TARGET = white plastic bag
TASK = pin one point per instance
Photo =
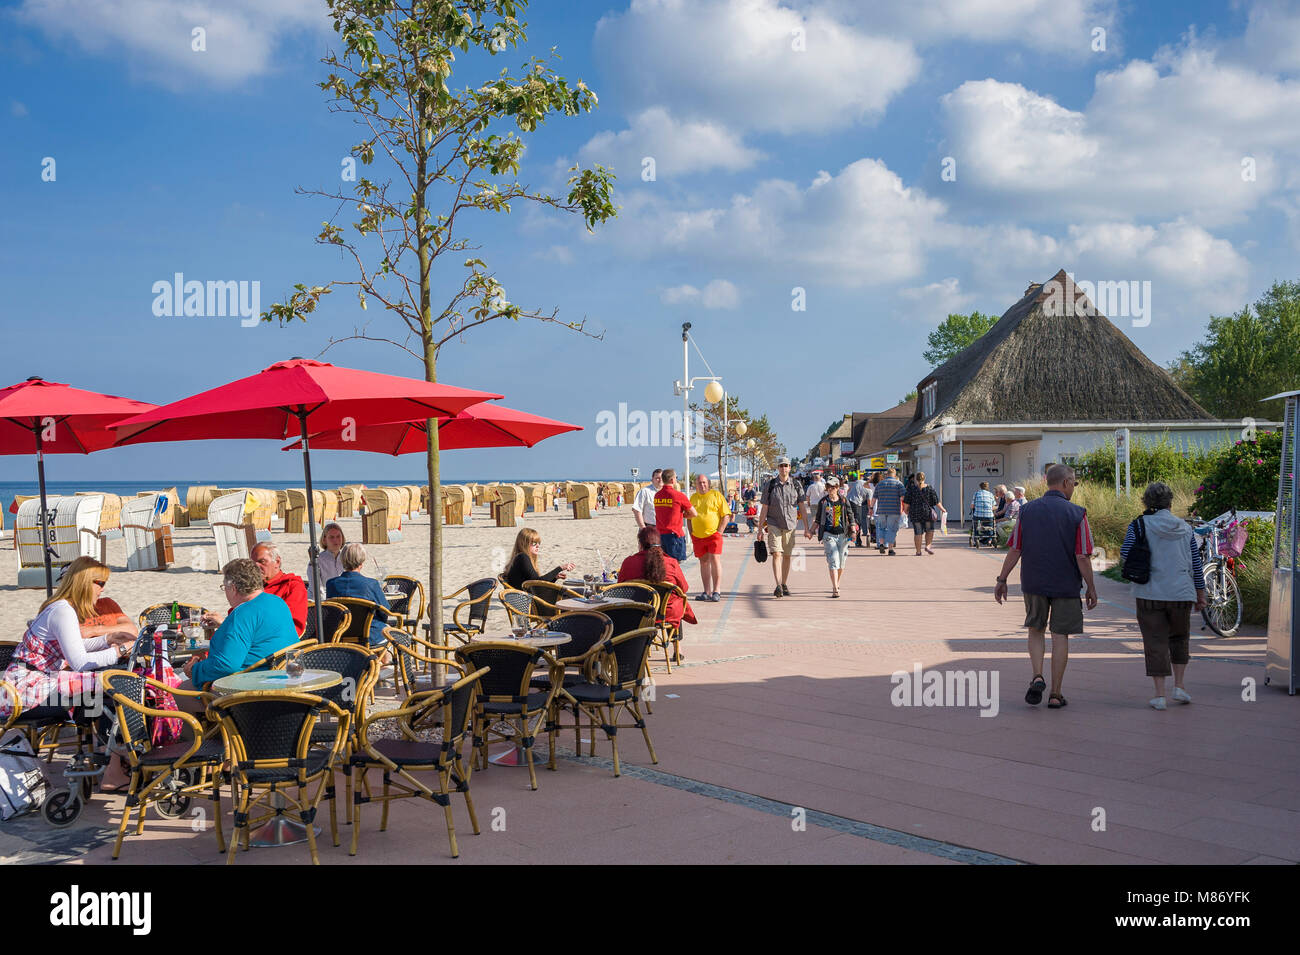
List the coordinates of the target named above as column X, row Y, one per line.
column 22, row 776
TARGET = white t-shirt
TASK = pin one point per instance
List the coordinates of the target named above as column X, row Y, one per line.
column 59, row 622
column 645, row 503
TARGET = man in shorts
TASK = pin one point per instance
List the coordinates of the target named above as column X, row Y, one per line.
column 781, row 511
column 887, row 508
column 711, row 511
column 1054, row 538
column 671, row 505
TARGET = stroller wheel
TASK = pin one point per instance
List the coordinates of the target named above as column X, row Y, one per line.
column 174, row 805
column 61, row 808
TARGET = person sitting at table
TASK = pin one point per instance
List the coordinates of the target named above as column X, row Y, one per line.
column 288, row 587
column 353, row 583
column 523, row 561
column 329, row 562
column 50, row 666
column 650, row 563
column 258, row 625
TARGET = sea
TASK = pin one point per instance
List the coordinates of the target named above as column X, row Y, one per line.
column 8, row 489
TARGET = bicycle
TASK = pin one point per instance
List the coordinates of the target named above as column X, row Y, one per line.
column 1221, row 545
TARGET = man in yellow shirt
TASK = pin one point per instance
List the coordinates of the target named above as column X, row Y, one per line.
column 706, row 533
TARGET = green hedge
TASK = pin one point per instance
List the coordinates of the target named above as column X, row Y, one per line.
column 1149, row 460
column 1241, row 475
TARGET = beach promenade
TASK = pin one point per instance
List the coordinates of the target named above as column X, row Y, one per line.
column 779, row 742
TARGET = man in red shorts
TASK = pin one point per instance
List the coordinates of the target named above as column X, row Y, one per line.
column 711, row 512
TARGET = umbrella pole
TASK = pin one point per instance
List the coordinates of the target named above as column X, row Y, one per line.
column 45, row 528
column 312, row 548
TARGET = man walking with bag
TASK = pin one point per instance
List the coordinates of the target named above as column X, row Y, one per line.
column 782, row 509
column 1054, row 538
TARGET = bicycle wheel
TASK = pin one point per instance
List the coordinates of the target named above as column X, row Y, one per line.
column 1223, row 601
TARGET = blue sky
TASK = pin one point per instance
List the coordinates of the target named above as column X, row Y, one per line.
column 796, row 145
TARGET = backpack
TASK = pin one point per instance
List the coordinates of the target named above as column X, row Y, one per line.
column 1137, row 566
column 23, row 785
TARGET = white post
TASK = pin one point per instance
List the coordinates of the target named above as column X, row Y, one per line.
column 686, row 401
column 1128, row 456
column 726, row 445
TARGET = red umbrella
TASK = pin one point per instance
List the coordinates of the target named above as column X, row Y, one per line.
column 301, row 396
column 53, row 418
column 484, row 425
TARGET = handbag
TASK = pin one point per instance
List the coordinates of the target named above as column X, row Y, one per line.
column 1137, row 566
column 760, row 551
column 23, row 785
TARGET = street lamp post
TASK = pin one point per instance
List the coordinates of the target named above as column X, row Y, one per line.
column 684, row 387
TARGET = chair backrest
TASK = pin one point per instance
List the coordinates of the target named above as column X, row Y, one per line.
column 162, row 613
column 358, row 626
column 411, row 602
column 450, row 709
column 630, row 616
column 277, row 659
column 544, row 598
column 334, row 615
column 585, row 628
column 122, row 684
column 639, row 591
column 510, row 666
column 478, row 589
column 268, row 731
column 358, row 667
column 625, row 658
column 518, row 603
column 665, row 589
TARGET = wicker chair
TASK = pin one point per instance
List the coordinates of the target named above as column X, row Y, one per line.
column 362, row 615
column 451, row 710
column 670, row 634
column 416, row 661
column 359, row 669
column 631, row 616
column 165, row 777
column 548, row 595
column 585, row 628
column 268, row 738
column 408, row 606
column 522, row 608
column 470, row 616
column 638, row 591
column 612, row 687
column 335, row 616
column 162, row 613
column 505, row 695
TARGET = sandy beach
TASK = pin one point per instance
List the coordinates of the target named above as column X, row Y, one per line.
column 478, row 549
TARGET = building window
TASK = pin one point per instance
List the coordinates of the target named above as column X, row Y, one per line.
column 927, row 398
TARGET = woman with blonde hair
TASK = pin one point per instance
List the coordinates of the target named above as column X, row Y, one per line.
column 523, row 561
column 54, row 641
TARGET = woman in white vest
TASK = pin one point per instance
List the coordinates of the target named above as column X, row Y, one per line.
column 1176, row 586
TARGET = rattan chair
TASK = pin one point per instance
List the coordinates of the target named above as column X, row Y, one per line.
column 166, row 777
column 505, row 695
column 548, row 595
column 362, row 615
column 631, row 616
column 669, row 634
column 585, row 628
column 408, row 607
column 637, row 591
column 522, row 608
column 335, row 616
column 416, row 661
column 162, row 613
column 612, row 687
column 449, row 710
column 359, row 668
column 469, row 618
column 268, row 739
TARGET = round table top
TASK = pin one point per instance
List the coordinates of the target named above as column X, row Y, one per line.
column 552, row 638
column 582, row 603
column 276, row 681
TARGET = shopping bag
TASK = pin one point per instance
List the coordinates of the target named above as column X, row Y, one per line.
column 22, row 777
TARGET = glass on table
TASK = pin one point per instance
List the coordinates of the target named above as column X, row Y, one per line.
column 293, row 664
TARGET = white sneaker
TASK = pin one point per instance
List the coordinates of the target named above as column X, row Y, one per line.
column 1158, row 703
column 1181, row 695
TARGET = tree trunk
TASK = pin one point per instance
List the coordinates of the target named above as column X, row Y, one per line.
column 430, row 374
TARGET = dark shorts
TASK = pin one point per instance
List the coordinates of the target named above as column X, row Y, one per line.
column 674, row 545
column 1063, row 615
column 1166, row 627
column 922, row 527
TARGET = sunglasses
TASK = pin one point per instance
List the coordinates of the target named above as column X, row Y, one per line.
column 101, row 583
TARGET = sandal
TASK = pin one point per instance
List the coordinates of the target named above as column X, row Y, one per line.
column 1055, row 701
column 1034, row 695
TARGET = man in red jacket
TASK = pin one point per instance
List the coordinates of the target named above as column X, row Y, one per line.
column 288, row 587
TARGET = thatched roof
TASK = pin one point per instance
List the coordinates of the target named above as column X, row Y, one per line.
column 871, row 430
column 1052, row 357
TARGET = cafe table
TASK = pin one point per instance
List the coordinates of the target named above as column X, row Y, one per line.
column 280, row 830
column 514, row 755
column 590, row 603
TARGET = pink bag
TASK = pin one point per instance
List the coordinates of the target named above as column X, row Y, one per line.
column 1232, row 540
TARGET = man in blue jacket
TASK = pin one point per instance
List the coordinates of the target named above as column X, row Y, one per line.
column 257, row 626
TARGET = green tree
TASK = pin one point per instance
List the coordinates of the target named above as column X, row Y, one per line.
column 955, row 333
column 443, row 156
column 910, row 396
column 711, row 432
column 1246, row 357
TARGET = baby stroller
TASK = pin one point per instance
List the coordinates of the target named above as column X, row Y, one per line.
column 983, row 532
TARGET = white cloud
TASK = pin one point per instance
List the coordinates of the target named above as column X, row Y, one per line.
column 938, row 298
column 1058, row 26
column 155, row 36
column 717, row 294
column 559, row 254
column 677, row 147
column 1163, row 138
column 736, row 62
column 17, row 109
column 1272, row 37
